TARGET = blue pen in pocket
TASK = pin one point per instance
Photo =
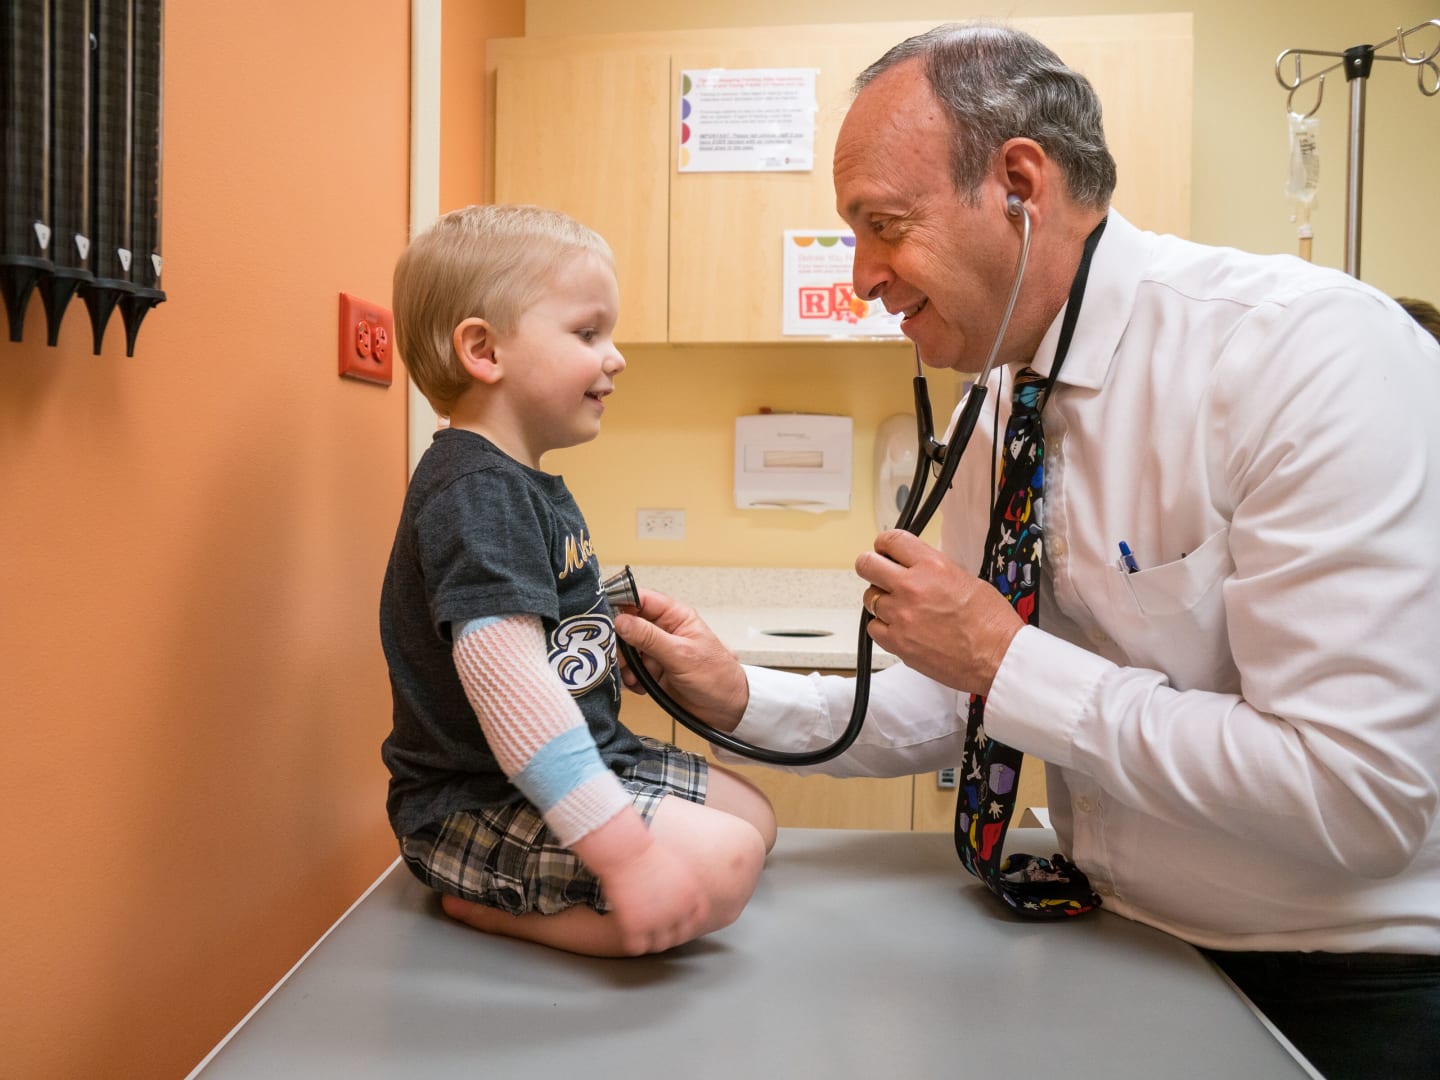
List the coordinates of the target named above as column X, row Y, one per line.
column 1127, row 560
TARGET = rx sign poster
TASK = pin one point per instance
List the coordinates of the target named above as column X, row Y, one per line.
column 820, row 298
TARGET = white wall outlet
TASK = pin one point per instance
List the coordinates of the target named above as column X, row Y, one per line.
column 660, row 524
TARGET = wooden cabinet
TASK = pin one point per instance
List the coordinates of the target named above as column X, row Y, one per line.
column 640, row 714
column 727, row 229
column 825, row 802
column 586, row 132
column 588, row 125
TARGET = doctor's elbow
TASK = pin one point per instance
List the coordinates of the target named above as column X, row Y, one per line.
column 1378, row 839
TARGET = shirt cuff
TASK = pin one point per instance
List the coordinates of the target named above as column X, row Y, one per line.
column 1044, row 689
column 785, row 711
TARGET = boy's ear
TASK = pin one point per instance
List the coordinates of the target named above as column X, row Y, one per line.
column 474, row 341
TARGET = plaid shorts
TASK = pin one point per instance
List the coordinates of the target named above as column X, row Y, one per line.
column 507, row 857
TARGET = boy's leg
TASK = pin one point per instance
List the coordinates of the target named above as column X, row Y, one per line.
column 732, row 793
column 578, row 929
column 725, row 851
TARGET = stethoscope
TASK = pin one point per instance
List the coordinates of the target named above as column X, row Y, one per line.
column 620, row 589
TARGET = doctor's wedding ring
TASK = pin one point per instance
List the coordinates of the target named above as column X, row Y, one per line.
column 872, row 598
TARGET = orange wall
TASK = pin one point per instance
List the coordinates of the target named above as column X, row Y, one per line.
column 191, row 547
column 465, row 95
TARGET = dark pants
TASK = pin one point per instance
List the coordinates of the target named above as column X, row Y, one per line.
column 1366, row 1016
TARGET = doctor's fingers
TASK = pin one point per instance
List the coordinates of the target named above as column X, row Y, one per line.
column 956, row 634
column 687, row 649
column 664, row 610
column 904, row 548
column 932, row 592
column 648, row 639
column 878, row 569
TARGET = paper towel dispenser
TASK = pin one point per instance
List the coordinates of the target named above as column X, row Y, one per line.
column 793, row 461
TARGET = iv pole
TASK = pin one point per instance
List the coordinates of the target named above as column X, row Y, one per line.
column 1357, row 62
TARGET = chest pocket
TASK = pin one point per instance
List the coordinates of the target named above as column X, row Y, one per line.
column 1171, row 617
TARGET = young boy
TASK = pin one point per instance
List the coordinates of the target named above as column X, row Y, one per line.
column 515, row 791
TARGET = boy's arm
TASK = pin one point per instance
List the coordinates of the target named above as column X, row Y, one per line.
column 541, row 741
column 534, row 727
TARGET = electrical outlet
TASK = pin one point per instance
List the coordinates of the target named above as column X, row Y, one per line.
column 660, row 524
column 366, row 333
column 945, row 780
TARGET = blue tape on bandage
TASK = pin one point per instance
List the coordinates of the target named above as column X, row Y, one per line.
column 476, row 624
column 559, row 767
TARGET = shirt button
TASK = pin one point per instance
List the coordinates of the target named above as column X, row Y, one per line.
column 1084, row 805
column 1104, row 890
column 1057, row 546
column 1099, row 637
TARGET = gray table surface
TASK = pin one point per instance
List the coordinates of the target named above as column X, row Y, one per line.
column 862, row 954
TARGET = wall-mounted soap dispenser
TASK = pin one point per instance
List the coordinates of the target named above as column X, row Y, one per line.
column 895, row 450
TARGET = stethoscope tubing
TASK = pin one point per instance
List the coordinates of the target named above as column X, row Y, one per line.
column 914, row 516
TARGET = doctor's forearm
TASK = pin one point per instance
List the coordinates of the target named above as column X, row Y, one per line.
column 911, row 724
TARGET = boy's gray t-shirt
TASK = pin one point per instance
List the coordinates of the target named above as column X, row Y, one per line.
column 480, row 534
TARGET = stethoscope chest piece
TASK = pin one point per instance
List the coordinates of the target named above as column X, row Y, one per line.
column 620, row 590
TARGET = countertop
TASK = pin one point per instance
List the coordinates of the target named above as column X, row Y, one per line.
column 780, row 618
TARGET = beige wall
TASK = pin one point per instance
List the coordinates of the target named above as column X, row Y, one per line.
column 668, row 436
column 193, row 540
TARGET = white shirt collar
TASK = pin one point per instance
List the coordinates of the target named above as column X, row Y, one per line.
column 1115, row 273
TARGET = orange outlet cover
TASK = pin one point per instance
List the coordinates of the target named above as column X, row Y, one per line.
column 366, row 334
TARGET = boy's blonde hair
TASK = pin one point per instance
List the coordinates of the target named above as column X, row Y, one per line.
column 487, row 262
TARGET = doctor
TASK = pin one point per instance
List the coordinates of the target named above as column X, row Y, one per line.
column 1242, row 728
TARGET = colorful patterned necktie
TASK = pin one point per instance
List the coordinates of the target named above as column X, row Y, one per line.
column 1014, row 547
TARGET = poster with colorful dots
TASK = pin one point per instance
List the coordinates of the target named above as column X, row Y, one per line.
column 820, row 298
column 747, row 120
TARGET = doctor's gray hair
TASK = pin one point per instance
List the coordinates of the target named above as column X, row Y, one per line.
column 996, row 83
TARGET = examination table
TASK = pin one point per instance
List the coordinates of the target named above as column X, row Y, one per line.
column 862, row 954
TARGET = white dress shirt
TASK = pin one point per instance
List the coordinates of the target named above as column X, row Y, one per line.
column 1243, row 737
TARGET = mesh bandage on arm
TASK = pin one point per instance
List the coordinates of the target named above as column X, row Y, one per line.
column 533, row 725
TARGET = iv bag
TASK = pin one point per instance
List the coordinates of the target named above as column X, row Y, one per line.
column 1304, row 179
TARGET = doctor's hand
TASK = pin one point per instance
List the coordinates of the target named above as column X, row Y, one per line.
column 686, row 658
column 939, row 618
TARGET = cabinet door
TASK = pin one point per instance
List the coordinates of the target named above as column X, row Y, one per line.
column 640, row 714
column 726, row 229
column 822, row 802
column 588, row 126
column 586, row 133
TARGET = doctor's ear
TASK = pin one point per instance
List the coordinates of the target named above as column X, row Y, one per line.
column 474, row 341
column 1021, row 167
